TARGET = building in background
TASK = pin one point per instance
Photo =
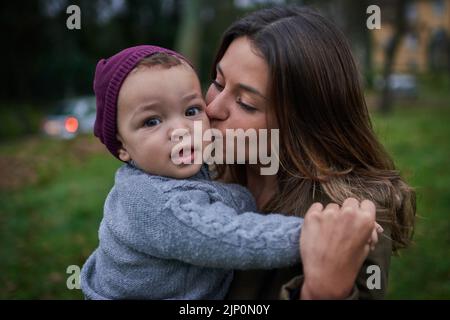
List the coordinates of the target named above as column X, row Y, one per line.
column 425, row 47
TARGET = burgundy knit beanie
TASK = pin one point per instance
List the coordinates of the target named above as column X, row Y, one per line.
column 109, row 76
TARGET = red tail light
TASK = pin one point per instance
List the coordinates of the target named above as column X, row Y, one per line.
column 71, row 124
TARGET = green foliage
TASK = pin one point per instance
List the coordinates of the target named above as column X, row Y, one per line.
column 18, row 120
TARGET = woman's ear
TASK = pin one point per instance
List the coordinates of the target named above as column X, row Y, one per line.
column 123, row 153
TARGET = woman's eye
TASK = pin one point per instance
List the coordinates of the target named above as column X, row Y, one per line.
column 152, row 122
column 193, row 111
column 245, row 106
column 218, row 85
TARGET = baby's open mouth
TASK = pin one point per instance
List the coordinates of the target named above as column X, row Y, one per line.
column 186, row 157
column 181, row 151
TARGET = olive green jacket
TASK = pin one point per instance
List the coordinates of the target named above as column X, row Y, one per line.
column 285, row 283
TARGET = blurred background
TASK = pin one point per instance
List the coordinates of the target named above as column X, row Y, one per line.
column 54, row 175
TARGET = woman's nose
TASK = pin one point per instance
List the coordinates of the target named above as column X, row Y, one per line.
column 218, row 109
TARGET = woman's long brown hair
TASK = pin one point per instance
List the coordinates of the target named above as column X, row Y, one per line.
column 328, row 149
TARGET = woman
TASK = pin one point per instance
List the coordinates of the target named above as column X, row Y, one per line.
column 290, row 68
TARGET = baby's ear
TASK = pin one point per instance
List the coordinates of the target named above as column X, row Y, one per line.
column 123, row 153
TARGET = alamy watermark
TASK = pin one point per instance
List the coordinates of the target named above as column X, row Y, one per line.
column 73, row 280
column 374, row 20
column 73, row 22
column 250, row 146
column 373, row 282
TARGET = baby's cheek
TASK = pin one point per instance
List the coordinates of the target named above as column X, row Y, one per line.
column 206, row 127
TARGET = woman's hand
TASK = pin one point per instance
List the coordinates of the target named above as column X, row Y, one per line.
column 334, row 243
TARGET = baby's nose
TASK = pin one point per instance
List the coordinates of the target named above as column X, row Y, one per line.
column 179, row 129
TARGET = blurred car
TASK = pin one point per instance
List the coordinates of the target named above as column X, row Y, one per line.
column 403, row 85
column 72, row 117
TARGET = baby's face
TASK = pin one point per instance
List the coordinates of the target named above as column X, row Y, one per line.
column 152, row 103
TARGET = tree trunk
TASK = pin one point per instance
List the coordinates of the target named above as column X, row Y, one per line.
column 189, row 32
column 390, row 53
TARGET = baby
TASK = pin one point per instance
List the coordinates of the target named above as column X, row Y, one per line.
column 168, row 231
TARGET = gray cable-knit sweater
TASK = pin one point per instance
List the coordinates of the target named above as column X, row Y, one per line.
column 164, row 238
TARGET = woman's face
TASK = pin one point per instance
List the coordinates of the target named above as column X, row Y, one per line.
column 239, row 98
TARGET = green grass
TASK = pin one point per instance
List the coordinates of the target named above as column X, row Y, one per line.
column 52, row 223
column 52, row 194
column 418, row 140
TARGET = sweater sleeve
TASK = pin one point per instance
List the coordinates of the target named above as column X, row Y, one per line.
column 193, row 229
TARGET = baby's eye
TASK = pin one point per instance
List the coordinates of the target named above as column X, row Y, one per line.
column 152, row 122
column 193, row 111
